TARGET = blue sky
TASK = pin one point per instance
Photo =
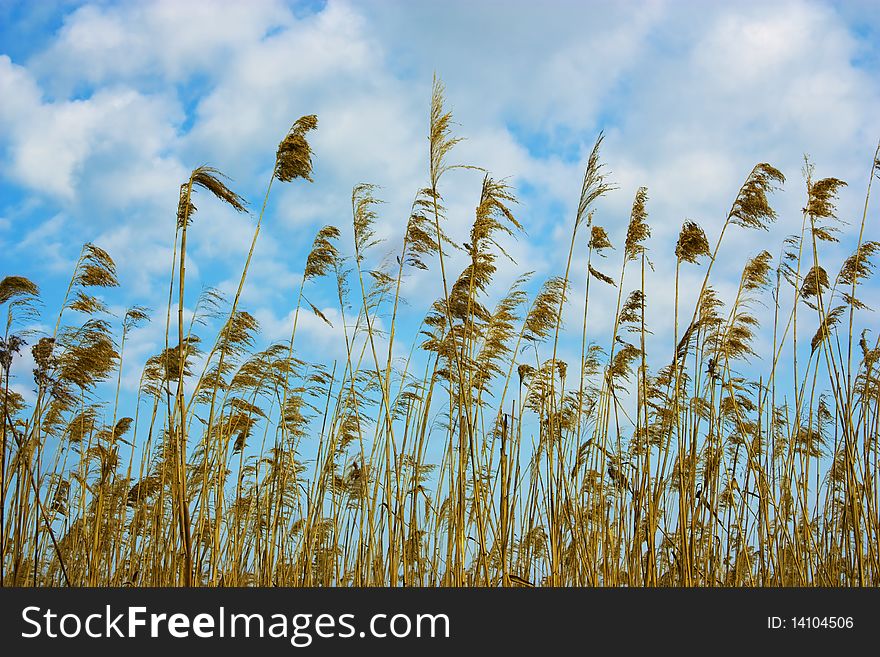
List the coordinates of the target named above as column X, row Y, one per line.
column 105, row 107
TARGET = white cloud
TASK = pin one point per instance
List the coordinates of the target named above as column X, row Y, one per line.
column 20, row 92
column 167, row 40
column 112, row 141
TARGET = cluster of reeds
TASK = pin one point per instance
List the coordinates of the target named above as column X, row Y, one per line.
column 480, row 457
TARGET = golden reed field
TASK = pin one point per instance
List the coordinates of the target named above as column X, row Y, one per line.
column 480, row 457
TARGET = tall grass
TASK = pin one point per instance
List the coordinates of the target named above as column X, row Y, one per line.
column 478, row 457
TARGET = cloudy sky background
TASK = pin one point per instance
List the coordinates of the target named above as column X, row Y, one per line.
column 106, row 107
